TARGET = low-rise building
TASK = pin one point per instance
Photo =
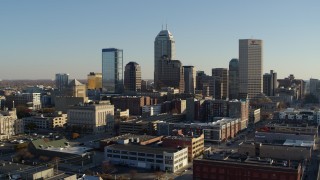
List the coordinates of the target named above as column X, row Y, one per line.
column 133, row 103
column 31, row 100
column 275, row 151
column 292, row 128
column 218, row 131
column 133, row 138
column 92, row 118
column 195, row 144
column 8, row 120
column 148, row 157
column 238, row 166
column 46, row 122
column 61, row 149
column 151, row 110
column 147, row 125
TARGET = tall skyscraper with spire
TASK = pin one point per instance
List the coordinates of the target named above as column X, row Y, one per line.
column 250, row 67
column 164, row 48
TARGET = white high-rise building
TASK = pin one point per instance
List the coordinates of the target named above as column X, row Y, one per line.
column 250, row 67
column 164, row 48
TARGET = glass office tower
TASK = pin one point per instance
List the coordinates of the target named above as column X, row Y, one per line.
column 112, row 70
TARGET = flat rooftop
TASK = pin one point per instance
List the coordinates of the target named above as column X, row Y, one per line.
column 303, row 143
column 128, row 136
column 77, row 150
column 6, row 167
column 142, row 148
column 243, row 160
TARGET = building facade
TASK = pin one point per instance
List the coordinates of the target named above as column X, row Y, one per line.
column 31, row 100
column 76, row 89
column 250, row 67
column 92, row 118
column 164, row 45
column 148, row 157
column 170, row 74
column 223, row 74
column 62, row 81
column 270, row 83
column 133, row 103
column 132, row 77
column 7, row 124
column 46, row 122
column 94, row 81
column 189, row 79
column 234, row 79
column 244, row 168
column 112, row 70
column 195, row 145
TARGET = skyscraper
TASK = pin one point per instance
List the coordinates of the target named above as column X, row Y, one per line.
column 189, row 79
column 250, row 67
column 132, row 77
column 170, row 74
column 164, row 46
column 270, row 83
column 223, row 74
column 62, row 81
column 112, row 70
column 234, row 79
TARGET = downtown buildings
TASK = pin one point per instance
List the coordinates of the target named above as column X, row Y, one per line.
column 112, row 70
column 167, row 71
column 250, row 67
column 132, row 77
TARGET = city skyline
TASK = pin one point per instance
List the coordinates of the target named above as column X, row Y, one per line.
column 41, row 39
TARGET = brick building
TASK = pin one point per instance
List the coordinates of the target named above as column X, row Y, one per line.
column 195, row 144
column 133, row 103
column 246, row 168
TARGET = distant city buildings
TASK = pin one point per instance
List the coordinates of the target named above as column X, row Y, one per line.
column 94, row 81
column 189, row 79
column 270, row 83
column 132, row 77
column 250, row 67
column 91, row 118
column 112, row 71
column 133, row 103
column 75, row 89
column 291, row 89
column 223, row 74
column 208, row 86
column 62, row 81
column 234, row 79
column 45, row 122
column 164, row 46
column 170, row 74
column 8, row 122
column 31, row 101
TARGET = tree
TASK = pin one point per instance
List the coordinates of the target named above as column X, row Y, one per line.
column 107, row 167
column 159, row 174
column 31, row 126
column 133, row 173
column 43, row 158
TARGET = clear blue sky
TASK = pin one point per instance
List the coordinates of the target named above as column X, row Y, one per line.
column 40, row 38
